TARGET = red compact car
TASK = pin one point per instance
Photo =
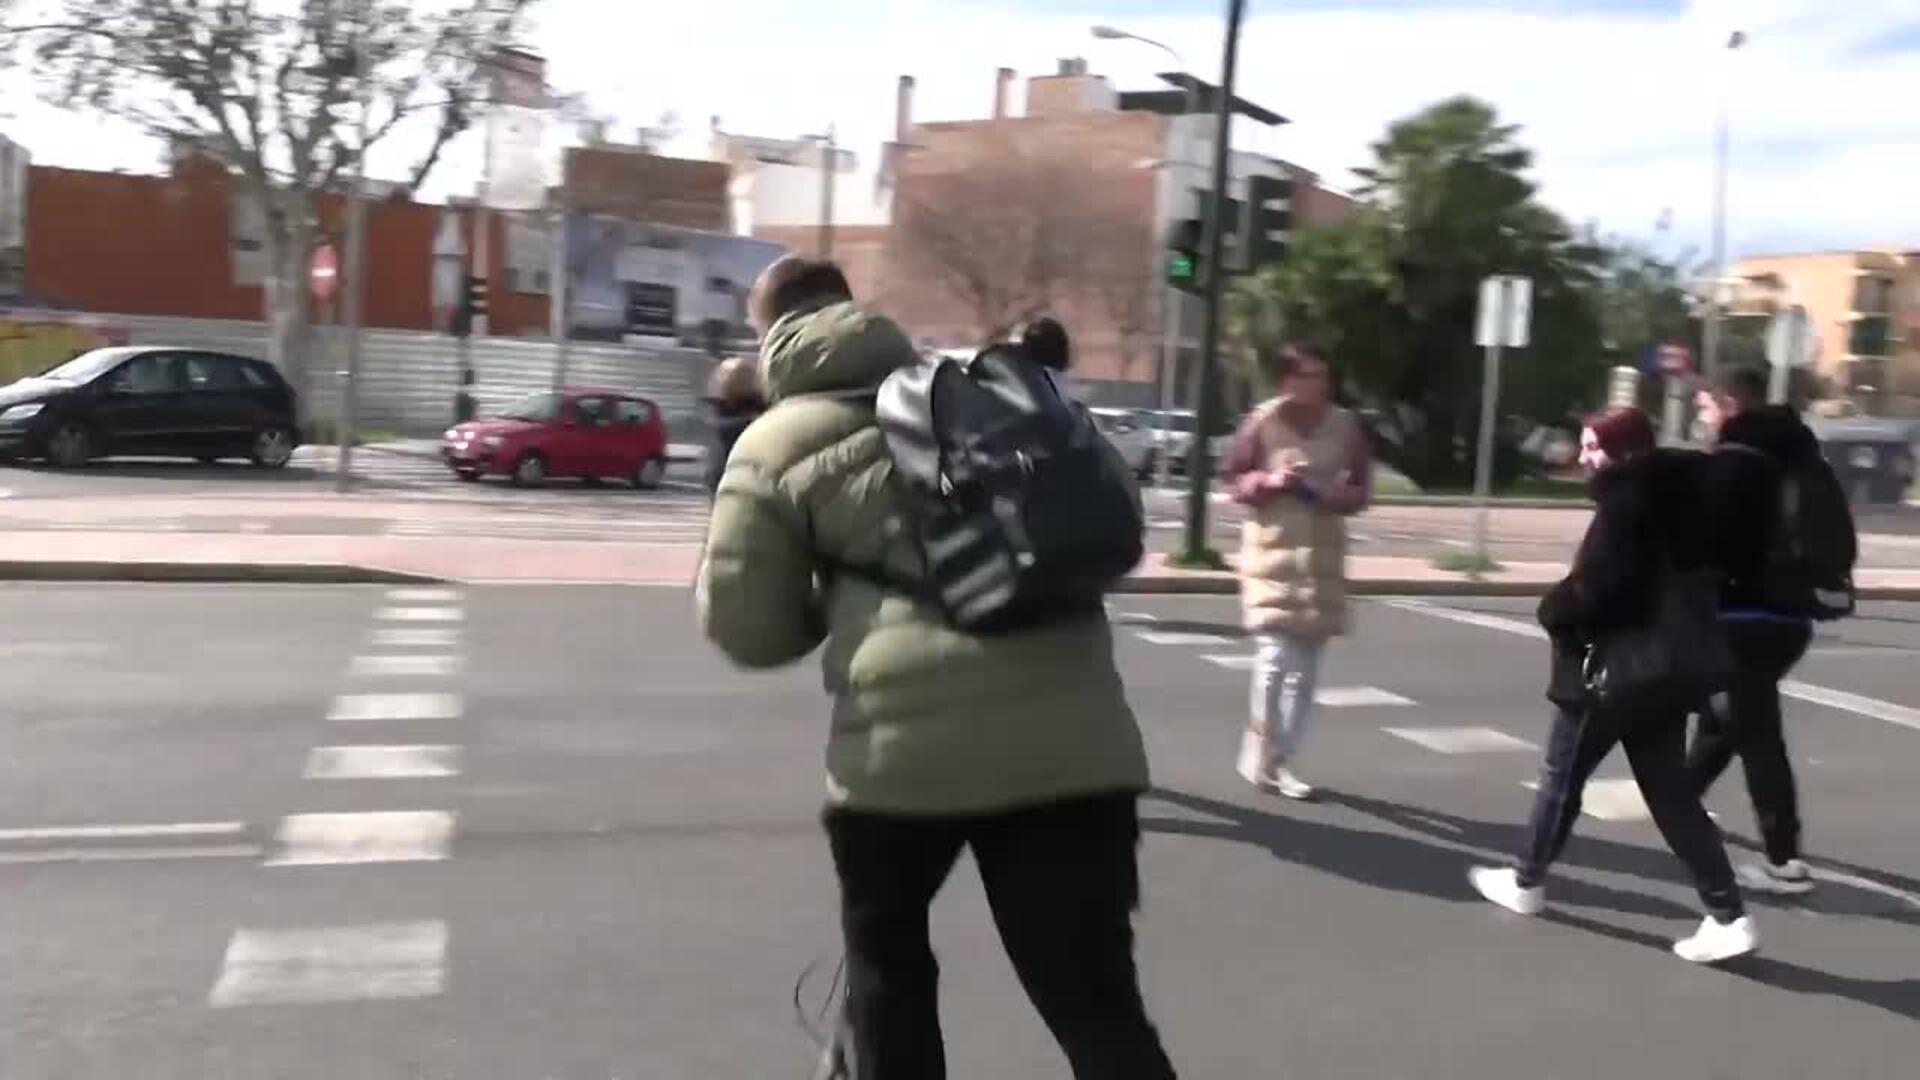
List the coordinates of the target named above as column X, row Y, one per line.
column 585, row 433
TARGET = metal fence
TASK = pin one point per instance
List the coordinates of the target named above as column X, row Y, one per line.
column 408, row 379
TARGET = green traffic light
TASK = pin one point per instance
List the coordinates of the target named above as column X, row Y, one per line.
column 1180, row 266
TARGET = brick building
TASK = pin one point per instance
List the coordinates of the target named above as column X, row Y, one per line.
column 1864, row 311
column 1133, row 160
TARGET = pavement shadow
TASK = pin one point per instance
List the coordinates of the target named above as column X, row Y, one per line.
column 1901, row 997
column 1432, row 863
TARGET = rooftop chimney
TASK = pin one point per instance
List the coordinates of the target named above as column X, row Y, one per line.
column 1073, row 66
column 903, row 111
column 1002, row 83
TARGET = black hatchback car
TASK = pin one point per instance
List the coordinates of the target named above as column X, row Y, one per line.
column 148, row 401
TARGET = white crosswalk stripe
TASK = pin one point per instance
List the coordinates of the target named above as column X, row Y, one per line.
column 332, row 964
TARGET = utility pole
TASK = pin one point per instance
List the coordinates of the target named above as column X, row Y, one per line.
column 1199, row 455
column 356, row 260
column 829, row 165
column 1722, row 139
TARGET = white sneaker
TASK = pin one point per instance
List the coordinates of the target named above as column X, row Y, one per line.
column 1253, row 766
column 1716, row 942
column 1291, row 786
column 1502, row 886
column 1790, row 878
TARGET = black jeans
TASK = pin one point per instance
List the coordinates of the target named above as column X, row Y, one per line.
column 1747, row 722
column 1656, row 748
column 1063, row 883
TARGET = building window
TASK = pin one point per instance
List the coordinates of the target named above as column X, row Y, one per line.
column 1873, row 295
column 1870, row 336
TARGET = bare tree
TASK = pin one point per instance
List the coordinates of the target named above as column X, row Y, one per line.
column 1014, row 233
column 275, row 90
column 1121, row 277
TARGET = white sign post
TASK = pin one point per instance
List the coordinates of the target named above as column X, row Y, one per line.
column 1505, row 318
column 1788, row 336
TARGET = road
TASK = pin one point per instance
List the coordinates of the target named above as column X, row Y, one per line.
column 516, row 833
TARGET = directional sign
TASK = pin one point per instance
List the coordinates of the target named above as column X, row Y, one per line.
column 1506, row 312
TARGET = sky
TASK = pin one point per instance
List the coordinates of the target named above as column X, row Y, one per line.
column 1617, row 98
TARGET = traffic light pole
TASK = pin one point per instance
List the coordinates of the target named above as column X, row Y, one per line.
column 1199, row 456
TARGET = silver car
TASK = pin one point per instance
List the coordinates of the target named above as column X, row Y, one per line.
column 1131, row 432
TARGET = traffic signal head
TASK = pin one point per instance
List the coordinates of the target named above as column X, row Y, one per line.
column 1266, row 220
column 1183, row 254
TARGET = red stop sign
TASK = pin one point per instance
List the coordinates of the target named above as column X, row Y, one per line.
column 324, row 278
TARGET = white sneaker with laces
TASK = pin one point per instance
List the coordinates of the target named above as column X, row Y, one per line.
column 1502, row 886
column 1716, row 942
column 1790, row 878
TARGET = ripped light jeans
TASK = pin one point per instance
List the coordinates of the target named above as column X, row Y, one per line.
column 1286, row 671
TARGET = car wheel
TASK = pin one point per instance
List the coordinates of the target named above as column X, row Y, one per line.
column 69, row 447
column 273, row 448
column 530, row 471
column 651, row 473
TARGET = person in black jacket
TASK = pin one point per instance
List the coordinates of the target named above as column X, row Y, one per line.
column 1648, row 509
column 1755, row 444
column 734, row 400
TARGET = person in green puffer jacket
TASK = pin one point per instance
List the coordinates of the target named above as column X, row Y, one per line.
column 1019, row 746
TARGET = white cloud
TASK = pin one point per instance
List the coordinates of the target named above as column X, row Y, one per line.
column 1619, row 108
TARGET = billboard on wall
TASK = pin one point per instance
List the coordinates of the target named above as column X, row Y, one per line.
column 626, row 279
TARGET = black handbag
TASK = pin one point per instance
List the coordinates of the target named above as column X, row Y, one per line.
column 1680, row 656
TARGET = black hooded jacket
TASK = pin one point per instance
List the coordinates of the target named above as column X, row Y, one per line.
column 1743, row 492
column 1647, row 510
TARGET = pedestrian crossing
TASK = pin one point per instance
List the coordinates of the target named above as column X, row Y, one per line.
column 390, row 689
column 1612, row 800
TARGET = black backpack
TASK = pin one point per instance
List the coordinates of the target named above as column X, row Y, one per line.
column 1811, row 553
column 1019, row 512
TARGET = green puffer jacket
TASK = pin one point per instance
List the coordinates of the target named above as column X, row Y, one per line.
column 926, row 720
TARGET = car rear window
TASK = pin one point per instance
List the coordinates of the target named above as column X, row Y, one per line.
column 635, row 413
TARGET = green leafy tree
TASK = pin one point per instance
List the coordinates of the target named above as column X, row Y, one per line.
column 1392, row 291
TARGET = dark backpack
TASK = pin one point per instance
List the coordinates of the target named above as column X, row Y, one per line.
column 1810, row 555
column 1018, row 510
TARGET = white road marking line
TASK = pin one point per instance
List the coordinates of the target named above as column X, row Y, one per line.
column 1846, row 701
column 406, row 638
column 124, row 832
column 1461, row 740
column 373, row 837
column 1609, row 800
column 1130, row 618
column 1471, row 618
column 131, row 854
column 255, row 526
column 379, row 961
column 420, row 614
column 377, row 666
column 1231, row 662
column 1354, row 697
column 1839, row 877
column 395, row 707
column 1899, row 715
column 382, row 762
column 1163, row 637
column 54, row 650
column 423, row 596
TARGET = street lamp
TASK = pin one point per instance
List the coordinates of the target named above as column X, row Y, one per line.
column 1710, row 336
column 1173, row 302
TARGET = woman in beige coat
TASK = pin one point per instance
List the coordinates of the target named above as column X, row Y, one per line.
column 1301, row 466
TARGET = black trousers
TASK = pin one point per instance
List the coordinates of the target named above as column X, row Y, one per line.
column 1656, row 749
column 1063, row 882
column 1747, row 721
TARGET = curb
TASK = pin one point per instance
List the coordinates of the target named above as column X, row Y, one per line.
column 210, row 573
column 1497, row 502
column 1227, row 585
column 677, row 453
